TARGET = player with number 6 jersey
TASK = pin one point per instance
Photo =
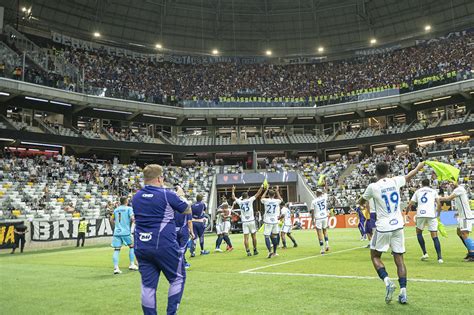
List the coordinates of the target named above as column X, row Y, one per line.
column 270, row 219
column 427, row 209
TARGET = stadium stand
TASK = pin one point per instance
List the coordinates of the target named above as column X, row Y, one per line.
column 404, row 69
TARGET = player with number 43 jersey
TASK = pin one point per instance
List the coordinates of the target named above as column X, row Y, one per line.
column 247, row 216
column 270, row 219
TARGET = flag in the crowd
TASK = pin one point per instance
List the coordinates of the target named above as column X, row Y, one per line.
column 442, row 229
column 321, row 180
column 444, row 171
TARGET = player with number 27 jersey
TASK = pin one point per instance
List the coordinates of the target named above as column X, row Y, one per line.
column 386, row 196
column 272, row 210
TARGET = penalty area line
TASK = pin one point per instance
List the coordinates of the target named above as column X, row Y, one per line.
column 300, row 259
column 353, row 277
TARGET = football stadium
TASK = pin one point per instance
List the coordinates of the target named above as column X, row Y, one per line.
column 290, row 156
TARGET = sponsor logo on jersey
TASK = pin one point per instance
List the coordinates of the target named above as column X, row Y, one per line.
column 147, row 195
column 145, row 237
column 393, row 222
column 422, row 211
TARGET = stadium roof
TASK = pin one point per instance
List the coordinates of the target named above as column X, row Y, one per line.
column 248, row 27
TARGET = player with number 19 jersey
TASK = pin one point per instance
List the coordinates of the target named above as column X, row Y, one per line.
column 386, row 195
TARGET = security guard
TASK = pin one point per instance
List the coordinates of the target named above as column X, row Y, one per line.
column 82, row 232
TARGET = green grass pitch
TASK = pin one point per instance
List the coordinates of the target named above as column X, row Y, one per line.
column 299, row 281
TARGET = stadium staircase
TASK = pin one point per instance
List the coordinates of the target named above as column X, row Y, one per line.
column 341, row 180
column 34, row 53
column 44, row 127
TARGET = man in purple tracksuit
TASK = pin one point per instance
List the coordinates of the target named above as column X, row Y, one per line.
column 156, row 248
column 198, row 209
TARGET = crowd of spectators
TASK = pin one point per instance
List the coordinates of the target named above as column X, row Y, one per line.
column 409, row 68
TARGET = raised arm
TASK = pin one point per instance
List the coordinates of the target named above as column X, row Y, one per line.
column 277, row 190
column 265, row 194
column 447, row 198
column 409, row 206
column 233, row 193
column 259, row 192
column 413, row 172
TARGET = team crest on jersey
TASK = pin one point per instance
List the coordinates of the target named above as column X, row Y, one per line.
column 422, row 211
column 393, row 222
column 145, row 237
column 147, row 195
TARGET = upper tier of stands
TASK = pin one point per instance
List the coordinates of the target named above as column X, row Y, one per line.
column 424, row 65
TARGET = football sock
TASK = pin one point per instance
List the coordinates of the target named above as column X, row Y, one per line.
column 115, row 258
column 383, row 275
column 327, row 241
column 463, row 241
column 437, row 246
column 283, row 240
column 201, row 242
column 421, row 241
column 470, row 246
column 131, row 255
column 227, row 240
column 267, row 242
column 292, row 239
column 219, row 241
column 321, row 243
column 275, row 243
column 403, row 282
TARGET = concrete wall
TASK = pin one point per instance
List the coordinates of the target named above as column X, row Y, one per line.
column 304, row 193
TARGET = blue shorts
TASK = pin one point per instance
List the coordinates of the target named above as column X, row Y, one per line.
column 118, row 241
column 370, row 225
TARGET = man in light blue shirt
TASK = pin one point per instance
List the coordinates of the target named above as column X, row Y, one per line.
column 123, row 219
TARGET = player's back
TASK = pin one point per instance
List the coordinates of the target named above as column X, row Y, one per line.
column 246, row 206
column 425, row 197
column 461, row 203
column 272, row 210
column 154, row 209
column 198, row 209
column 386, row 195
column 286, row 216
column 123, row 220
column 320, row 206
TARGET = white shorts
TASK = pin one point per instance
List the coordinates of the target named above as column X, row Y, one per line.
column 381, row 241
column 249, row 227
column 286, row 228
column 269, row 229
column 465, row 225
column 226, row 227
column 432, row 224
column 321, row 223
column 219, row 228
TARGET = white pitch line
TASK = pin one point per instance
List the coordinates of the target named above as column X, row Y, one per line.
column 308, row 257
column 354, row 277
column 300, row 259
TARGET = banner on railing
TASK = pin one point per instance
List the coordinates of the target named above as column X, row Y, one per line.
column 7, row 234
column 67, row 229
column 376, row 51
column 179, row 59
column 447, row 36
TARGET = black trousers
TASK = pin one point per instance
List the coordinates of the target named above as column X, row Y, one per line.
column 19, row 238
column 81, row 236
